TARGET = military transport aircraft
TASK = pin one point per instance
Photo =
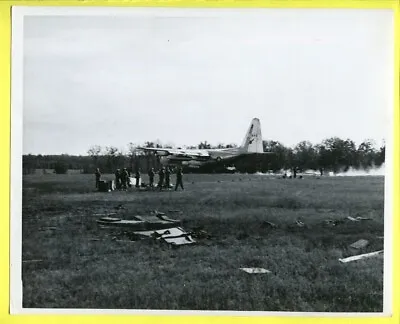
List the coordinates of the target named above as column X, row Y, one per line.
column 252, row 144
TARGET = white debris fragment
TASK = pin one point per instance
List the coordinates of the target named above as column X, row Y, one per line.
column 255, row 270
column 357, row 219
column 359, row 244
column 361, row 256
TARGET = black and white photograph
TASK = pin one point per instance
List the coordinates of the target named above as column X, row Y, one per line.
column 200, row 160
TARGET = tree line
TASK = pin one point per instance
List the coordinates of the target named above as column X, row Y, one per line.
column 333, row 154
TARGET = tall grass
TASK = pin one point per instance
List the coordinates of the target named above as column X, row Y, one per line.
column 83, row 267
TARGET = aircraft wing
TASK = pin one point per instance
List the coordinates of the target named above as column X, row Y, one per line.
column 177, row 152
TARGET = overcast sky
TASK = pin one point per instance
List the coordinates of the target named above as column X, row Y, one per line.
column 184, row 76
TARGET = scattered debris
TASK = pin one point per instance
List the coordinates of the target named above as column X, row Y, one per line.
column 357, row 219
column 359, row 244
column 110, row 219
column 157, row 213
column 123, row 223
column 181, row 240
column 175, row 231
column 157, row 225
column 105, row 214
column 255, row 270
column 140, row 222
column 171, row 220
column 174, row 236
column 361, row 256
column 157, row 222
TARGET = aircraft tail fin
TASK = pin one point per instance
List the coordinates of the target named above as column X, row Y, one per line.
column 253, row 142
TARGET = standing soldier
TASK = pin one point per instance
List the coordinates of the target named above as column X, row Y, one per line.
column 127, row 180
column 123, row 179
column 137, row 175
column 98, row 176
column 151, row 177
column 161, row 174
column 118, row 179
column 179, row 174
column 167, row 177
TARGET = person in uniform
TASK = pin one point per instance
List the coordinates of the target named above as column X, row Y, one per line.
column 167, row 177
column 118, row 179
column 124, row 179
column 179, row 175
column 161, row 175
column 98, row 176
column 137, row 175
column 151, row 177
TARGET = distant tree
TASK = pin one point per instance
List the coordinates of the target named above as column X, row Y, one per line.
column 149, row 144
column 29, row 163
column 204, row 146
column 135, row 155
column 289, row 159
column 366, row 154
column 278, row 159
column 111, row 153
column 232, row 145
column 305, row 156
column 94, row 151
column 322, row 157
column 336, row 154
column 61, row 167
column 380, row 155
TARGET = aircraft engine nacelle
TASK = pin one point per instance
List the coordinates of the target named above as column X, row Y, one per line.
column 162, row 153
column 191, row 163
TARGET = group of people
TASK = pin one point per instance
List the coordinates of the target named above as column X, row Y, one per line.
column 122, row 178
column 164, row 175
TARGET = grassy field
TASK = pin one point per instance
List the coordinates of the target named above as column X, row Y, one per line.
column 81, row 266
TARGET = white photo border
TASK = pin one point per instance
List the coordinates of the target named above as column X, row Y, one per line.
column 17, row 72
